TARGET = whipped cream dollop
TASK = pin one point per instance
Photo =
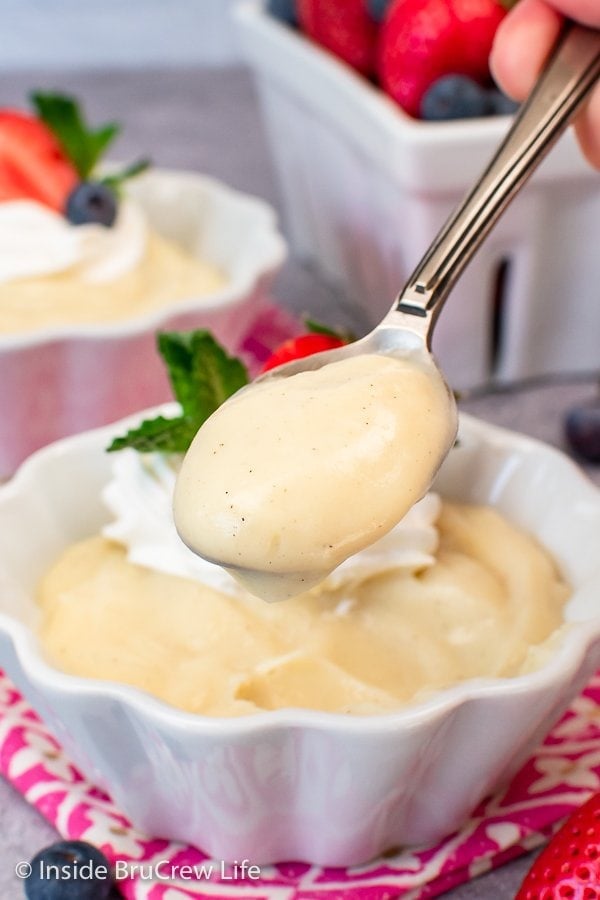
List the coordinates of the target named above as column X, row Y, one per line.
column 36, row 241
column 140, row 498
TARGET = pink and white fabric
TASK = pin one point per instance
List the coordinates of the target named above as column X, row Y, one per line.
column 561, row 776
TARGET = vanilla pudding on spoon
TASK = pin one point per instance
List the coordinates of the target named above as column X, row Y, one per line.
column 293, row 475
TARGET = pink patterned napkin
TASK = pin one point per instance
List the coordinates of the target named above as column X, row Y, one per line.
column 561, row 775
column 565, row 770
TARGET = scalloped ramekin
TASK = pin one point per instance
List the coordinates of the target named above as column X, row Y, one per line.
column 58, row 381
column 295, row 784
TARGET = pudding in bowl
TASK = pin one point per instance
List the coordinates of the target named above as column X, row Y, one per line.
column 77, row 339
column 296, row 783
column 55, row 274
column 75, row 247
column 453, row 592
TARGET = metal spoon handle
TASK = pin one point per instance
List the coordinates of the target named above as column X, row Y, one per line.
column 570, row 74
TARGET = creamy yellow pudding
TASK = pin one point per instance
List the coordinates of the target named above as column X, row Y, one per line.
column 488, row 606
column 53, row 273
column 293, row 475
column 165, row 274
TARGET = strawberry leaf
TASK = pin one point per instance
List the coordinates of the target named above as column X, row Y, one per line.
column 202, row 376
column 83, row 145
column 115, row 180
column 316, row 327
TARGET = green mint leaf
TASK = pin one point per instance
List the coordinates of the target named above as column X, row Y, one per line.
column 157, row 435
column 202, row 376
column 316, row 327
column 201, row 372
column 508, row 4
column 82, row 145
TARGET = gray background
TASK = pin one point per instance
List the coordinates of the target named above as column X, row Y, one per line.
column 129, row 33
column 208, row 120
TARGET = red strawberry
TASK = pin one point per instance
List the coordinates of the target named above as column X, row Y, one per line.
column 423, row 40
column 345, row 28
column 298, row 347
column 570, row 864
column 32, row 164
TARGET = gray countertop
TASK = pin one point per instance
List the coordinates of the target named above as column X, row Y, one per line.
column 208, row 120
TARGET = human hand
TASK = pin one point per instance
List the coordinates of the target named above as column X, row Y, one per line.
column 522, row 44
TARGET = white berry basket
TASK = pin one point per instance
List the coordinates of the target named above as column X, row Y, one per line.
column 57, row 381
column 366, row 188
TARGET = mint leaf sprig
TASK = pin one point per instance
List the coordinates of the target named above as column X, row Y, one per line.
column 202, row 376
column 83, row 145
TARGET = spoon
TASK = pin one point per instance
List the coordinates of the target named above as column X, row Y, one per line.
column 274, row 494
column 568, row 77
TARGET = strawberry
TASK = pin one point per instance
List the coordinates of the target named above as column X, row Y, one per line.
column 32, row 163
column 346, row 29
column 570, row 864
column 423, row 40
column 298, row 347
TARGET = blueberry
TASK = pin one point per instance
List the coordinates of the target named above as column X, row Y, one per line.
column 378, row 8
column 454, row 97
column 500, row 104
column 91, row 202
column 69, row 870
column 284, row 10
column 582, row 430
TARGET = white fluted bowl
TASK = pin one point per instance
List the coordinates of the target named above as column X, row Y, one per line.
column 61, row 380
column 295, row 784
